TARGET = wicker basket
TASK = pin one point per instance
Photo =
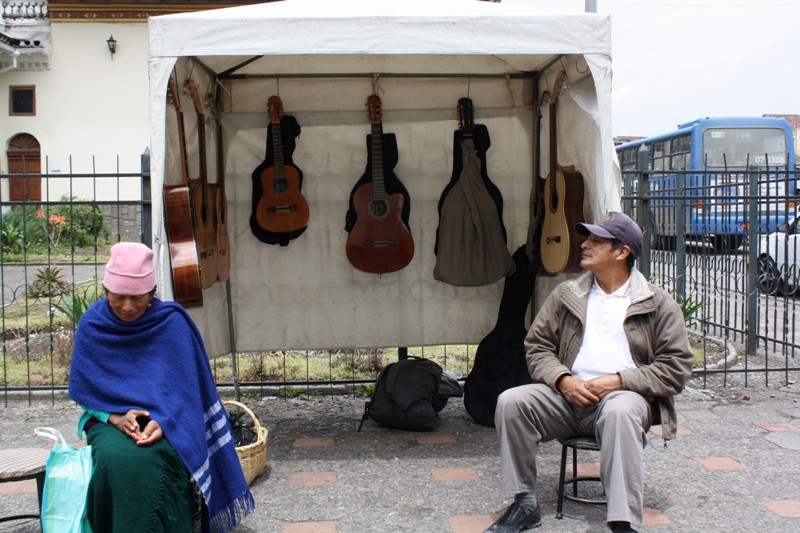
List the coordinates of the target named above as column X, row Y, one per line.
column 253, row 457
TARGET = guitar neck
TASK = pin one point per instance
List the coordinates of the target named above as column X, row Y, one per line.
column 277, row 148
column 201, row 137
column 376, row 144
column 184, row 157
column 553, row 137
column 220, row 158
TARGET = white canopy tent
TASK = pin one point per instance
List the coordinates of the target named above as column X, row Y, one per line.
column 324, row 59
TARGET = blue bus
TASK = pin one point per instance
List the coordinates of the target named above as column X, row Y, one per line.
column 718, row 157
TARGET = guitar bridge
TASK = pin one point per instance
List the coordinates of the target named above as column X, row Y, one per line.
column 380, row 243
column 283, row 208
column 553, row 240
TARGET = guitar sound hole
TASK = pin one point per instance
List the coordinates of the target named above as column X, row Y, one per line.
column 280, row 185
column 554, row 202
column 378, row 208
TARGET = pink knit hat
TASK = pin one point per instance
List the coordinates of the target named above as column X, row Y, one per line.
column 130, row 269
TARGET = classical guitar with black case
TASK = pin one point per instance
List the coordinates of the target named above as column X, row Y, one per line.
column 281, row 134
column 282, row 207
column 379, row 239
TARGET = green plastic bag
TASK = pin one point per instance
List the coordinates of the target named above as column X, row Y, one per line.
column 66, row 483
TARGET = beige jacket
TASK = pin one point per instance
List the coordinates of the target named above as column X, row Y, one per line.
column 656, row 332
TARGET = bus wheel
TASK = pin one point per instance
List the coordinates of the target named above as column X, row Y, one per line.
column 768, row 279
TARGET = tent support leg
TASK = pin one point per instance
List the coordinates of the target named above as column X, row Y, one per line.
column 232, row 341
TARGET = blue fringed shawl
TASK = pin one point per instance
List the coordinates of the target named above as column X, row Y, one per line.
column 159, row 364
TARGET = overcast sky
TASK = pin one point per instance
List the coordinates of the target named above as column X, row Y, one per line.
column 678, row 60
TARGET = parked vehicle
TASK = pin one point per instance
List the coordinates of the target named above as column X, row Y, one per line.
column 778, row 255
column 711, row 164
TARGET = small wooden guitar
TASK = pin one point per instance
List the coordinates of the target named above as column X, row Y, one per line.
column 205, row 219
column 217, row 191
column 184, row 263
column 380, row 241
column 563, row 202
column 282, row 207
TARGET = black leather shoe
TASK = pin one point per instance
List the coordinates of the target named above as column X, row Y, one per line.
column 517, row 518
column 621, row 527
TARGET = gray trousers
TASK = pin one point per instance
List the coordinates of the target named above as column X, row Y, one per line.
column 530, row 414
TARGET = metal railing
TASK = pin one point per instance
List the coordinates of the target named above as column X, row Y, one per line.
column 744, row 325
column 725, row 240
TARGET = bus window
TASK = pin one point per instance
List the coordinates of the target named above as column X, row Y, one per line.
column 681, row 146
column 660, row 155
column 739, row 146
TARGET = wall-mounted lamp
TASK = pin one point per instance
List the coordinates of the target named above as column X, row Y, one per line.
column 112, row 46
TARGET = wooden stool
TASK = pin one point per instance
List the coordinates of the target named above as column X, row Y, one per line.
column 575, row 443
column 20, row 464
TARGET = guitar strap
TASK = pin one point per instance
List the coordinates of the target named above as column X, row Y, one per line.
column 290, row 130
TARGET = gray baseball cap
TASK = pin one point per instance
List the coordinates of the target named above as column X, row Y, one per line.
column 618, row 226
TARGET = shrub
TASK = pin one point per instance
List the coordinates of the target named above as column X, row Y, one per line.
column 56, row 226
column 48, row 283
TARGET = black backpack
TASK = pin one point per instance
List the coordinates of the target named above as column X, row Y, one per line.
column 409, row 395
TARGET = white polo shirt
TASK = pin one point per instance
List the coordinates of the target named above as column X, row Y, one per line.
column 605, row 348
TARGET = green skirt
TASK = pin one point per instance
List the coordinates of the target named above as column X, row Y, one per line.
column 137, row 488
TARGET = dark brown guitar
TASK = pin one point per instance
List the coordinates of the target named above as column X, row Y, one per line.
column 220, row 201
column 380, row 241
column 563, row 205
column 205, row 219
column 282, row 207
column 185, row 267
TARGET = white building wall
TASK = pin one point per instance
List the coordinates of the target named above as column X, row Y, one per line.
column 92, row 112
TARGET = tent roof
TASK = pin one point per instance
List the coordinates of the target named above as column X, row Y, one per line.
column 379, row 36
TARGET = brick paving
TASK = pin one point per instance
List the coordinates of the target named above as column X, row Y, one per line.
column 732, row 468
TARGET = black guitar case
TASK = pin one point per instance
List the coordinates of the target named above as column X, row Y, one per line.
column 480, row 136
column 290, row 130
column 500, row 359
column 391, row 182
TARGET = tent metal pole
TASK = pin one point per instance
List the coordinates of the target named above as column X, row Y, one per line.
column 370, row 75
column 232, row 340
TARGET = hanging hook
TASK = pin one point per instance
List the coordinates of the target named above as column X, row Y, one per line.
column 376, row 84
column 510, row 90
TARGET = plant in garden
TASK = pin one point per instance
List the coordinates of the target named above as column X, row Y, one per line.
column 12, row 237
column 689, row 307
column 49, row 282
column 74, row 305
column 53, row 227
column 290, row 392
column 366, row 390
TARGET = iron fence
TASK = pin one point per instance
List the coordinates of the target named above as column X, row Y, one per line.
column 725, row 241
column 742, row 286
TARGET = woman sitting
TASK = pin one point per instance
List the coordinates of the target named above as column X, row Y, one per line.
column 151, row 411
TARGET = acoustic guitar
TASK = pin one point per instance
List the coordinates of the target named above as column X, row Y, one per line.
column 185, row 267
column 379, row 241
column 560, row 244
column 205, row 219
column 217, row 191
column 282, row 207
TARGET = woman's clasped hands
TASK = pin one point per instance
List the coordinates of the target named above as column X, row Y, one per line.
column 144, row 433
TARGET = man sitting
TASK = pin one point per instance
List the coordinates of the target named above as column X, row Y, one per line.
column 607, row 352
